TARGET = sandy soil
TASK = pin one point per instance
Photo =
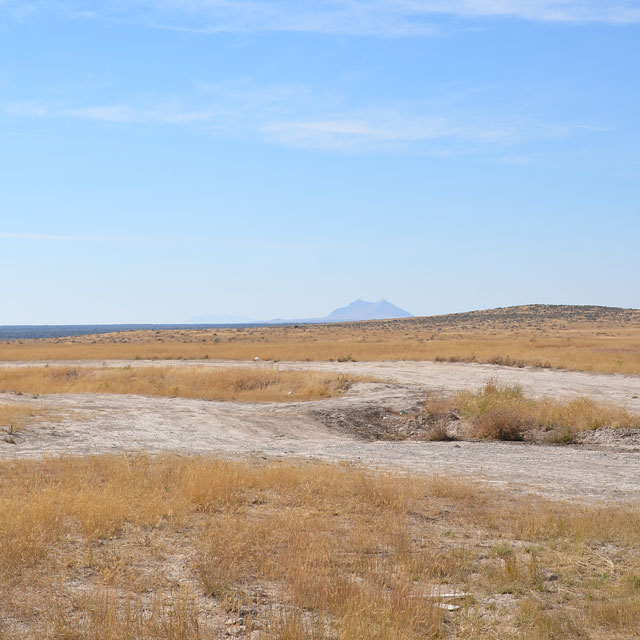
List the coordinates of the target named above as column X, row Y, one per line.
column 99, row 423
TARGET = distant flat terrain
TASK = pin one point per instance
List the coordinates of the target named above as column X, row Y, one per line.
column 49, row 331
column 581, row 338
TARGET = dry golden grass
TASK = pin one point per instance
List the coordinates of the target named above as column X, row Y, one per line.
column 578, row 338
column 185, row 549
column 502, row 412
column 248, row 384
column 14, row 417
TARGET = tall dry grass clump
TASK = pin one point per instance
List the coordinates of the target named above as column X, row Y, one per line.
column 503, row 412
column 109, row 617
column 169, row 548
column 249, row 384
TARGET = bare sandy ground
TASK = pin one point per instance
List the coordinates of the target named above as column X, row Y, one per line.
column 103, row 423
column 623, row 390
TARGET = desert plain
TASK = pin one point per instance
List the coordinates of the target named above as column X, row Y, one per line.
column 466, row 476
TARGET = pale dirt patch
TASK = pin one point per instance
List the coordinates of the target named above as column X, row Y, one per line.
column 112, row 423
column 620, row 389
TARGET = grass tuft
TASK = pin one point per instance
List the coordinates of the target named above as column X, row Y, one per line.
column 505, row 413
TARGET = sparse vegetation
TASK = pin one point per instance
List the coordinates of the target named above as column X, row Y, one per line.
column 191, row 548
column 13, row 417
column 579, row 338
column 249, row 384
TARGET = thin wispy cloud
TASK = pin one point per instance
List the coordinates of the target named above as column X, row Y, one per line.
column 295, row 117
column 462, row 133
column 390, row 131
column 49, row 237
column 368, row 17
column 537, row 10
column 115, row 113
column 32, row 236
column 387, row 18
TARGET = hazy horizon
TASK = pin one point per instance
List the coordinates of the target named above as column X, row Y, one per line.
column 230, row 320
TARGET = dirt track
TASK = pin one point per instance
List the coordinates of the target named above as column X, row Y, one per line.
column 111, row 423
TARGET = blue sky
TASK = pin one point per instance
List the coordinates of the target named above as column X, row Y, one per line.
column 164, row 159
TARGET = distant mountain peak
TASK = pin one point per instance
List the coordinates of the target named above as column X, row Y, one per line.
column 365, row 310
column 355, row 311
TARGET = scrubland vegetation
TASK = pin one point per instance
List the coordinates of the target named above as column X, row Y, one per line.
column 578, row 338
column 503, row 412
column 247, row 384
column 186, row 549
